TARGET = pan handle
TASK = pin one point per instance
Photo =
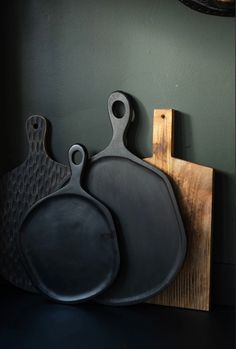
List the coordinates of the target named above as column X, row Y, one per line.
column 121, row 114
column 76, row 168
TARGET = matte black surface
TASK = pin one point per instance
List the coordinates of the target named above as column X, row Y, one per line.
column 213, row 7
column 150, row 231
column 37, row 177
column 68, row 241
column 28, row 321
column 58, row 56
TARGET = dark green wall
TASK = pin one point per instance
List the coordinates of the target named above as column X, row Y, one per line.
column 64, row 57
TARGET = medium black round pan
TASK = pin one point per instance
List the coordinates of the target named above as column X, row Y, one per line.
column 68, row 241
column 150, row 231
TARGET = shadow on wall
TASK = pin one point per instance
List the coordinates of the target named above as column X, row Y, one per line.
column 10, row 137
column 223, row 287
column 140, row 125
column 182, row 135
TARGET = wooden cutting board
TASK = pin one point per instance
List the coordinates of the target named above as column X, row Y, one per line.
column 193, row 186
column 36, row 177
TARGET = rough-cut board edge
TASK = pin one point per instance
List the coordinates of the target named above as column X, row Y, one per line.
column 193, row 185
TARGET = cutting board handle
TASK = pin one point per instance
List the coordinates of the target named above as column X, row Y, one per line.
column 121, row 114
column 163, row 136
column 36, row 128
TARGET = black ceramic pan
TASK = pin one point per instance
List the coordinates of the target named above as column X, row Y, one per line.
column 68, row 242
column 150, row 230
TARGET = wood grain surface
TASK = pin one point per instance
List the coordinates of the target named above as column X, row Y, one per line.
column 193, row 186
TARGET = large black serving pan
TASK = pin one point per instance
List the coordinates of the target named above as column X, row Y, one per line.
column 68, row 241
column 150, row 230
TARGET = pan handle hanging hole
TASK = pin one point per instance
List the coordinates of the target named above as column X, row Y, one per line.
column 118, row 109
column 35, row 126
column 77, row 157
column 163, row 116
